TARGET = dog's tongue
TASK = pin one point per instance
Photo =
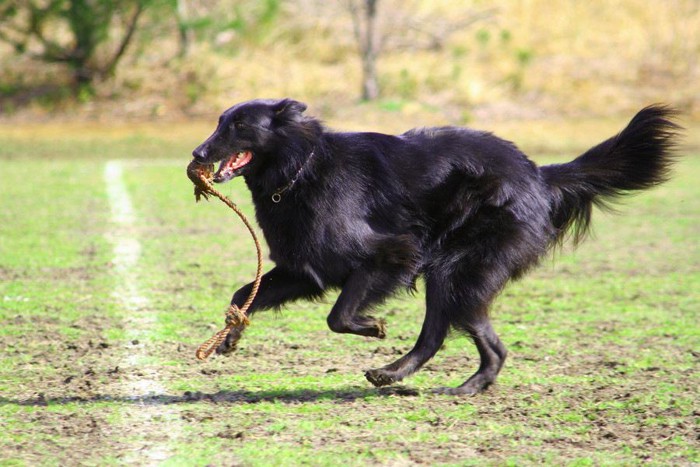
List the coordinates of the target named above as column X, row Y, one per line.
column 228, row 167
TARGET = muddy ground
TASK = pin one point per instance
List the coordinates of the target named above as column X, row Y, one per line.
column 84, row 404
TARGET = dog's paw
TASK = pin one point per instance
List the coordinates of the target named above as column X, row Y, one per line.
column 380, row 377
column 225, row 349
column 381, row 328
column 458, row 391
column 228, row 346
column 473, row 386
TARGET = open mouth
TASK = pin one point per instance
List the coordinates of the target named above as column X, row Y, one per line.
column 231, row 166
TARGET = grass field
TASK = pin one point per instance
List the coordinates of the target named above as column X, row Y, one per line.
column 110, row 278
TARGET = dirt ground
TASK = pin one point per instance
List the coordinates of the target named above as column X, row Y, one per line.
column 90, row 375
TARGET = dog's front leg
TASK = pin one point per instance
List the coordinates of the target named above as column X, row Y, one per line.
column 277, row 287
column 360, row 291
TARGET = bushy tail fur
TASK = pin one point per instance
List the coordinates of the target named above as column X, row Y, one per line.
column 637, row 158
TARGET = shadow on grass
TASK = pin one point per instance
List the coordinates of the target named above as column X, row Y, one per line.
column 223, row 397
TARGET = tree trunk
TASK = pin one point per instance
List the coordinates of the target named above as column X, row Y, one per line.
column 365, row 30
column 185, row 31
column 370, row 84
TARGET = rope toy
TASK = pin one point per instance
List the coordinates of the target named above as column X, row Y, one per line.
column 201, row 176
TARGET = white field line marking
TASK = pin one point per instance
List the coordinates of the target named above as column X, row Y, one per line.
column 126, row 250
column 125, row 247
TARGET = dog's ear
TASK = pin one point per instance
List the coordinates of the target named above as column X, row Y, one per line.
column 289, row 109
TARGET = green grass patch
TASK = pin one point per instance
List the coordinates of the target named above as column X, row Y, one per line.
column 603, row 340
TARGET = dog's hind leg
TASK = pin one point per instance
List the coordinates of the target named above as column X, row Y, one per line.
column 492, row 353
column 451, row 300
column 472, row 290
column 432, row 335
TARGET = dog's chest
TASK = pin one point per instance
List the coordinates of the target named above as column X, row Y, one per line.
column 316, row 243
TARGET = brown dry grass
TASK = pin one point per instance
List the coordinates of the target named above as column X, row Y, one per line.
column 528, row 59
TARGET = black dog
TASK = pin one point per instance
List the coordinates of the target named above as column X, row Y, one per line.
column 369, row 213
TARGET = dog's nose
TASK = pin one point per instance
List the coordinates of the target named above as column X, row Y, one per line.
column 200, row 153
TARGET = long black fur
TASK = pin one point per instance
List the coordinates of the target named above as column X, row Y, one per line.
column 369, row 213
column 638, row 158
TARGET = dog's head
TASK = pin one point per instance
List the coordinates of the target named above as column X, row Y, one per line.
column 246, row 135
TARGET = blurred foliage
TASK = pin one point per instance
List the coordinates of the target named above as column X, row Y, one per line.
column 218, row 22
column 458, row 60
column 72, row 32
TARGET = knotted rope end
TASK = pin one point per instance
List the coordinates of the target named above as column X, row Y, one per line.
column 201, row 176
column 236, row 322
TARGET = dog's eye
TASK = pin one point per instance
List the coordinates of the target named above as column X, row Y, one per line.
column 239, row 125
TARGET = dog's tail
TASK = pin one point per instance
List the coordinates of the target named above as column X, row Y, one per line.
column 637, row 158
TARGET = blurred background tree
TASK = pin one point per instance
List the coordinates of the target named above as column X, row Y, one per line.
column 216, row 22
column 404, row 28
column 72, row 32
column 364, row 22
column 450, row 60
